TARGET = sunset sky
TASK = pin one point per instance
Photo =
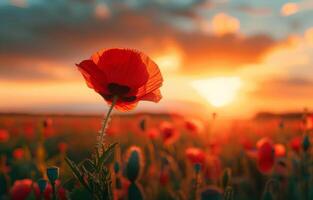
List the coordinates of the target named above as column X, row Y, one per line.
column 235, row 57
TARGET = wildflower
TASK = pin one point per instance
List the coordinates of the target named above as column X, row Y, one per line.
column 295, row 143
column 62, row 147
column 280, row 150
column 18, row 153
column 153, row 133
column 168, row 132
column 266, row 155
column 193, row 125
column 47, row 123
column 4, row 135
column 195, row 155
column 128, row 75
column 21, row 189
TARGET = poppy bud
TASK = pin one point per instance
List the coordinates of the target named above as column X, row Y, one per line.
column 42, row 183
column 53, row 173
column 306, row 143
column 116, row 167
column 133, row 164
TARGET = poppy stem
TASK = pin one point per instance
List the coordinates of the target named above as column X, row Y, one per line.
column 105, row 122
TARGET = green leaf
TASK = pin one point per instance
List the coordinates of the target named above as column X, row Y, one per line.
column 77, row 173
column 106, row 157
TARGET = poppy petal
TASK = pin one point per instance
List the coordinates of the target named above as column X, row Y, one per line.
column 123, row 66
column 154, row 82
column 153, row 96
column 93, row 75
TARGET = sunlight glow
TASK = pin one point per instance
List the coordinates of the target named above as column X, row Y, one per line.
column 170, row 59
column 218, row 91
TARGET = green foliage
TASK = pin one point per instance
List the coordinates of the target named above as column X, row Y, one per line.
column 94, row 175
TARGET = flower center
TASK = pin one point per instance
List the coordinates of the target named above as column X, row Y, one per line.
column 120, row 91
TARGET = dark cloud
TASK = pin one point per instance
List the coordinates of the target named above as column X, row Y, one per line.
column 65, row 33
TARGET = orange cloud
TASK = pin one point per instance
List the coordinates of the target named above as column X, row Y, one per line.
column 101, row 11
column 293, row 8
column 289, row 9
column 308, row 35
column 224, row 24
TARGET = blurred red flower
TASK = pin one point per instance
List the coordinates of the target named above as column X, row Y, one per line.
column 22, row 188
column 29, row 130
column 266, row 155
column 61, row 192
column 164, row 177
column 126, row 73
column 47, row 123
column 295, row 143
column 193, row 125
column 195, row 155
column 18, row 153
column 4, row 135
column 62, row 147
column 168, row 132
column 280, row 150
column 153, row 133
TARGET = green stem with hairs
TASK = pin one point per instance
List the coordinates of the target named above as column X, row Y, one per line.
column 105, row 122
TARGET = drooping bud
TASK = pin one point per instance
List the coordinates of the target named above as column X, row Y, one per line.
column 53, row 173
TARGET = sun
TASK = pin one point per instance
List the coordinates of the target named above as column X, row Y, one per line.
column 218, row 91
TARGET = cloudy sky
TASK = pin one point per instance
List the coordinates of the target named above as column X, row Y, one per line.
column 236, row 57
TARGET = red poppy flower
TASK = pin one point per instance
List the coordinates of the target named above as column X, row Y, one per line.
column 4, row 135
column 18, row 153
column 169, row 133
column 193, row 125
column 195, row 155
column 22, row 188
column 280, row 150
column 61, row 192
column 295, row 143
column 153, row 133
column 62, row 147
column 128, row 74
column 266, row 155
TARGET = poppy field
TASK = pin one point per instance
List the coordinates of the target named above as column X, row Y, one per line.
column 159, row 157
